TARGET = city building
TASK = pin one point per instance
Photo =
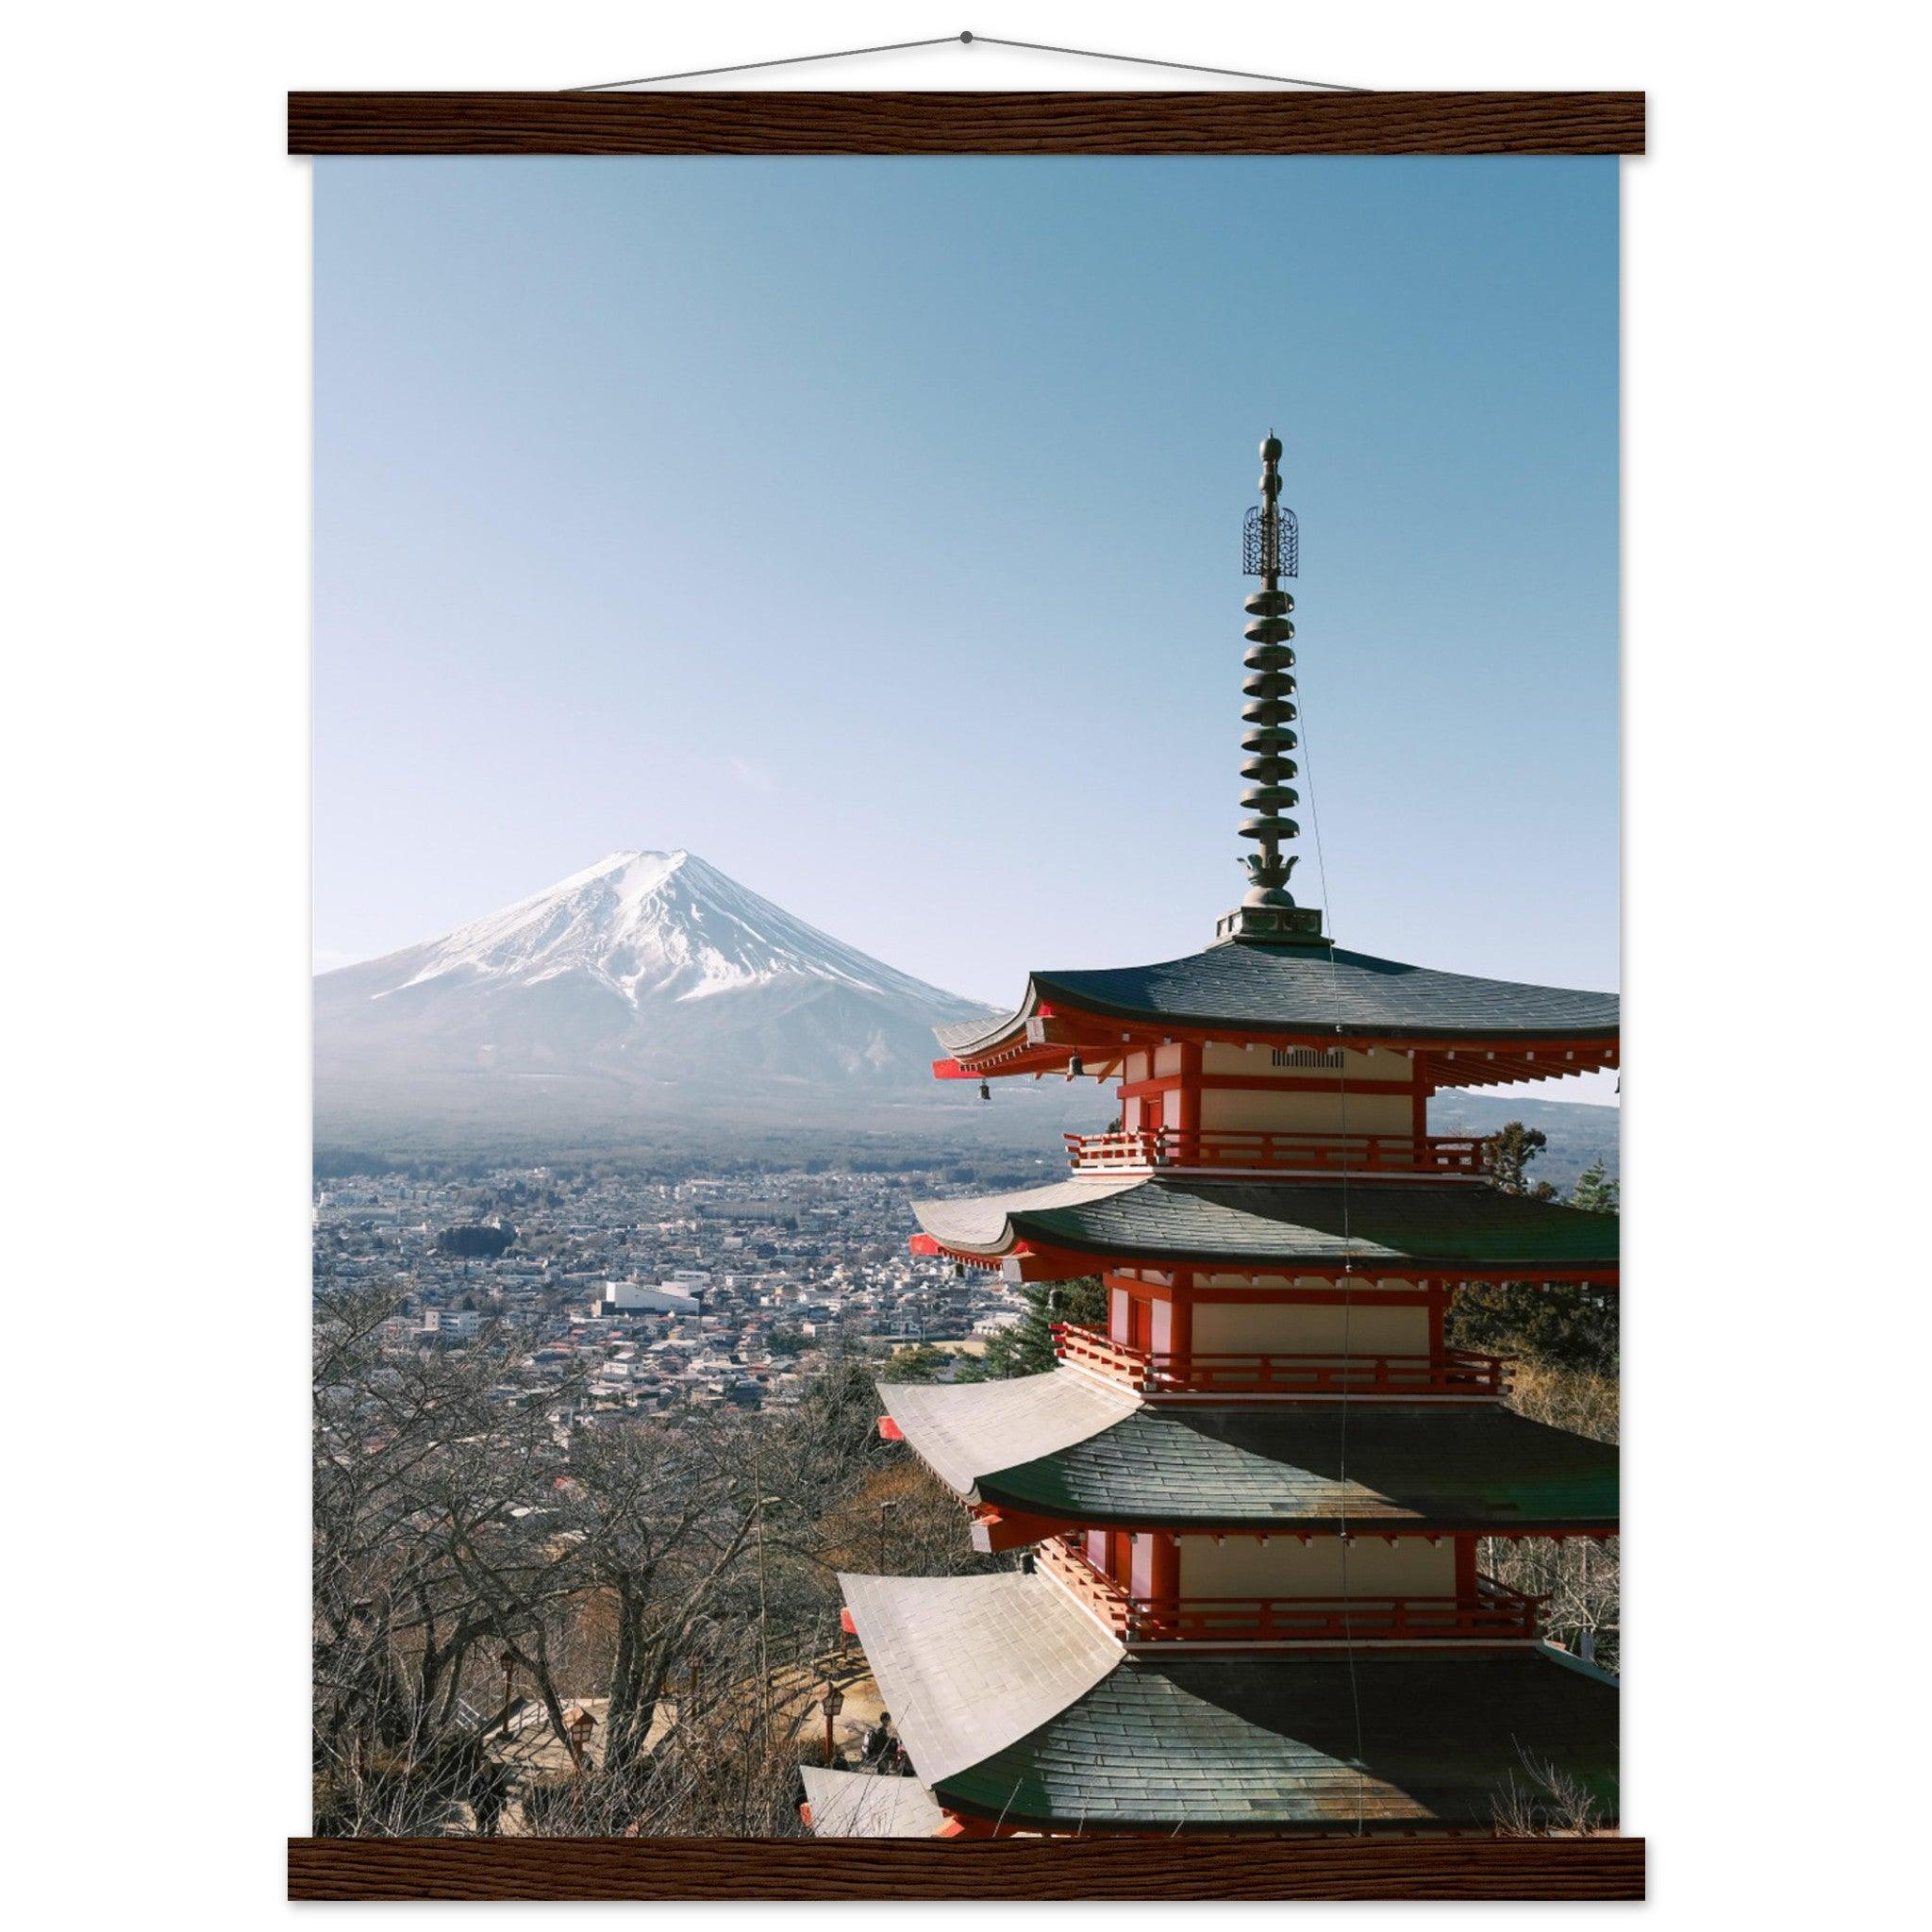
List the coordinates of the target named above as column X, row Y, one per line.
column 1252, row 1504
column 641, row 1298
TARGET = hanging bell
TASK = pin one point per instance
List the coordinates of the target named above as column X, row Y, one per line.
column 1075, row 1068
column 959, row 1271
column 985, row 1091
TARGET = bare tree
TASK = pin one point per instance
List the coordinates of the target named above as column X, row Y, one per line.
column 1547, row 1802
column 431, row 1474
column 1579, row 1576
column 621, row 1620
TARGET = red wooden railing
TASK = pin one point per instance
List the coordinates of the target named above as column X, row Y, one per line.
column 1259, row 1147
column 1098, row 1593
column 1151, row 1372
column 1494, row 1615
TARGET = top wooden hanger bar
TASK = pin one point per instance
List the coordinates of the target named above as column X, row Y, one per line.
column 1261, row 121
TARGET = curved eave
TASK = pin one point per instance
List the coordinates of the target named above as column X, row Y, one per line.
column 1065, row 1258
column 979, row 1233
column 1071, row 1228
column 1040, row 1261
column 1472, row 1060
column 1062, row 1014
column 960, row 1431
column 852, row 1803
column 973, row 1036
column 1058, row 1451
column 1230, row 1524
column 969, row 1665
column 1018, row 1261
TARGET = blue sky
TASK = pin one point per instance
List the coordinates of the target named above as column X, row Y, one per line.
column 873, row 528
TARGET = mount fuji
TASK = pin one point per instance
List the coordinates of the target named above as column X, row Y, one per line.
column 648, row 987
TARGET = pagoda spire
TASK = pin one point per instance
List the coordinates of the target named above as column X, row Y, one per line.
column 1271, row 552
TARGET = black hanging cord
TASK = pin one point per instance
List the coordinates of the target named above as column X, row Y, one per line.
column 597, row 87
column 1337, row 87
column 966, row 39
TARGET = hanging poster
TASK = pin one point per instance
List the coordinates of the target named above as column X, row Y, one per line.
column 966, row 1038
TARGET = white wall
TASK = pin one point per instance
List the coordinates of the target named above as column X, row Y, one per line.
column 1163, row 1326
column 1307, row 1112
column 1300, row 1328
column 1286, row 1566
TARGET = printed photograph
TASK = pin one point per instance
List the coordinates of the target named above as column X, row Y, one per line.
column 966, row 1036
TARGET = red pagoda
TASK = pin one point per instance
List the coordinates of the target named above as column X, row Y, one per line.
column 1250, row 1507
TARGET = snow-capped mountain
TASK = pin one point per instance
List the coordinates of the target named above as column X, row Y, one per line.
column 648, row 983
column 653, row 925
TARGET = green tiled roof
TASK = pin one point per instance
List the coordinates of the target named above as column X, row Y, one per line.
column 1421, row 1223
column 1273, row 1745
column 1301, row 989
column 1311, row 1466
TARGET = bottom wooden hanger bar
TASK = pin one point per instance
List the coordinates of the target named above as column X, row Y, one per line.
column 535, row 1868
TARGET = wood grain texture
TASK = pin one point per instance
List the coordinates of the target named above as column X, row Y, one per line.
column 533, row 1868
column 980, row 124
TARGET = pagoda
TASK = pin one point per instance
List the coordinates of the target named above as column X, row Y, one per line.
column 1248, row 1511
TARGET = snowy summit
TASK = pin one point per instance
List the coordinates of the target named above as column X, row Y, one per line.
column 656, row 926
column 647, row 981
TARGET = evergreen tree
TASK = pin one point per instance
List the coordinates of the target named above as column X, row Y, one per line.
column 921, row 1362
column 1571, row 1324
column 1026, row 1347
column 1506, row 1158
column 1595, row 1190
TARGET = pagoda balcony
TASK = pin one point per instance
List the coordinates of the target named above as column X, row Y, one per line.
column 1260, row 1150
column 1454, row 1373
column 1495, row 1614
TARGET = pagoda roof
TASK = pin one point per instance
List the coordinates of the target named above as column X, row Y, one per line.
column 1393, row 1740
column 852, row 1803
column 1311, row 1468
column 1416, row 1227
column 1303, row 1743
column 956, row 1428
column 1308, row 989
column 967, row 1665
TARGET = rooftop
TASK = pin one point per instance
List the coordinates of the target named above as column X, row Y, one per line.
column 1321, row 992
column 850, row 1804
column 1301, row 1743
column 968, row 1665
column 963, row 1431
column 1049, row 1446
column 1013, row 1707
column 1413, row 1226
